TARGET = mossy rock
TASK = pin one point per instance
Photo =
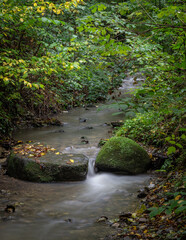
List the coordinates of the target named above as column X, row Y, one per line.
column 122, row 155
column 49, row 168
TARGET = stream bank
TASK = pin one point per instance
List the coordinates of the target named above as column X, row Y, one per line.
column 160, row 214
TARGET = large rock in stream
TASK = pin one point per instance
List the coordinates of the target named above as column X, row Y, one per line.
column 122, row 155
column 48, row 167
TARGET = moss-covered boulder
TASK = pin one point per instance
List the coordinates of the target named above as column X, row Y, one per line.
column 48, row 168
column 122, row 155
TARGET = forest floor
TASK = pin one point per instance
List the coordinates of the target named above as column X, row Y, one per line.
column 161, row 212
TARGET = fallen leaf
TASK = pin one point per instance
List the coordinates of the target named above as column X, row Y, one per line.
column 150, row 155
column 177, row 197
column 71, row 160
column 31, row 155
column 57, row 153
column 52, row 149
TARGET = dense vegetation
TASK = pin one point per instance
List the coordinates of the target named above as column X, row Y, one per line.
column 53, row 56
column 58, row 54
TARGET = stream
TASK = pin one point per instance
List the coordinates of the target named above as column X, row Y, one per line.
column 69, row 210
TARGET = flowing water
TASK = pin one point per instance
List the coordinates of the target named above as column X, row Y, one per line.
column 68, row 211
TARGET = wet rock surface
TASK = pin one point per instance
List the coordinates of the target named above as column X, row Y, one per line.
column 117, row 124
column 37, row 163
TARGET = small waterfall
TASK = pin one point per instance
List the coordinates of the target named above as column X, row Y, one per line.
column 90, row 152
column 91, row 168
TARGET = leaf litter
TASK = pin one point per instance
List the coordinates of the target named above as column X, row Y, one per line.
column 161, row 214
column 36, row 150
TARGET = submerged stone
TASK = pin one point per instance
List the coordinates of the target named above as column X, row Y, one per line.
column 122, row 155
column 49, row 168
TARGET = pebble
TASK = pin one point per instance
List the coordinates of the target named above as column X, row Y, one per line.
column 142, row 194
column 102, row 219
column 123, row 216
column 151, row 186
column 82, row 119
column 89, row 127
column 69, row 220
column 115, row 225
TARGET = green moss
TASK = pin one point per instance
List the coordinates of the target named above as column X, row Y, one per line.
column 49, row 169
column 14, row 166
column 34, row 172
column 123, row 155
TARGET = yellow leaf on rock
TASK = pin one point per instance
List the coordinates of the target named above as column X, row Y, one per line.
column 71, row 160
column 52, row 149
column 57, row 153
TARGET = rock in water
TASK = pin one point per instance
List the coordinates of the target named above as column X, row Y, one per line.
column 122, row 155
column 48, row 168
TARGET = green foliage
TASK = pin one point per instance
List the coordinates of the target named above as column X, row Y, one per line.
column 172, row 205
column 176, row 205
column 176, row 142
column 157, row 41
column 58, row 54
column 47, row 62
